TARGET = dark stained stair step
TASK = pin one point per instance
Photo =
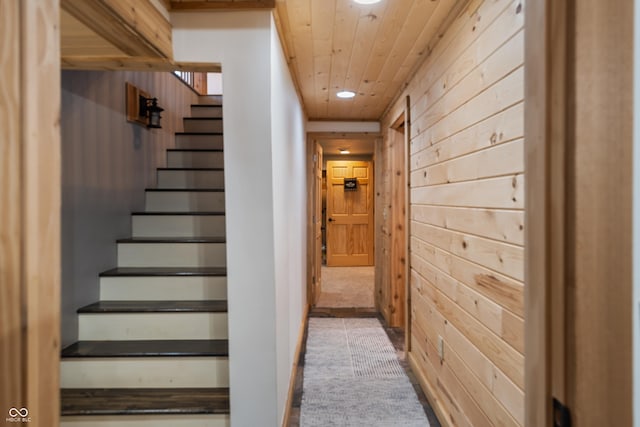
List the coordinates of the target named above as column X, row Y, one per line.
column 198, row 133
column 140, row 401
column 202, row 118
column 191, row 169
column 216, row 150
column 201, row 306
column 147, row 348
column 188, row 190
column 181, row 213
column 172, row 240
column 164, row 271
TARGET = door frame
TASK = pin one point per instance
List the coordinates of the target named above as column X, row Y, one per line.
column 312, row 138
column 31, row 208
column 578, row 116
column 400, row 269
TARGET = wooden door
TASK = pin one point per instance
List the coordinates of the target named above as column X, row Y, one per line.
column 317, row 222
column 349, row 214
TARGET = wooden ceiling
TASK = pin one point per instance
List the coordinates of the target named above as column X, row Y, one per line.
column 371, row 50
column 330, row 45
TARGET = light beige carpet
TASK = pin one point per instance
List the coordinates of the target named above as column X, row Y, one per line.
column 347, row 287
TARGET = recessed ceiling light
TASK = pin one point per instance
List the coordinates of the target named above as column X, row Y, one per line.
column 344, row 151
column 345, row 94
column 367, row 1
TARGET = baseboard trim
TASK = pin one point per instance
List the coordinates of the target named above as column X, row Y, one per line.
column 428, row 390
column 294, row 368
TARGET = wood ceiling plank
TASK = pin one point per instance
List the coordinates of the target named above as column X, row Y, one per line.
column 137, row 29
column 345, row 29
column 299, row 14
column 322, row 14
column 390, row 76
column 199, row 5
column 394, row 18
column 135, row 64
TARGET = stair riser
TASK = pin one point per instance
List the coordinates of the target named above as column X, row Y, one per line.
column 144, row 372
column 209, row 142
column 202, row 125
column 204, row 420
column 210, row 100
column 178, row 288
column 195, row 159
column 178, row 225
column 152, row 326
column 191, row 179
column 184, row 201
column 172, row 255
column 212, row 111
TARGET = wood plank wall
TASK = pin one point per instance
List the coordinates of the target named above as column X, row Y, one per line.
column 30, row 214
column 467, row 216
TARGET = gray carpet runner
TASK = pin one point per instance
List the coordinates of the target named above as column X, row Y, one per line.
column 352, row 377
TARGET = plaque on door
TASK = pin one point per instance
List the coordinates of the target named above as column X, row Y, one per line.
column 350, row 184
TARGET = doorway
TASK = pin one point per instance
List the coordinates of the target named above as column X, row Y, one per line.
column 341, row 220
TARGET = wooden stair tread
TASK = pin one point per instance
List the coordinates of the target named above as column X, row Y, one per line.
column 191, row 169
column 164, row 271
column 203, row 239
column 132, row 401
column 206, row 105
column 147, row 348
column 217, row 150
column 202, row 118
column 198, row 306
column 188, row 190
column 219, row 213
column 198, row 133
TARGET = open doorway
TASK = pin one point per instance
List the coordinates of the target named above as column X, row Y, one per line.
column 342, row 220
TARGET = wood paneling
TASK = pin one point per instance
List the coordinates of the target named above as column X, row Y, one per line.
column 369, row 49
column 467, row 181
column 30, row 195
column 199, row 5
column 138, row 30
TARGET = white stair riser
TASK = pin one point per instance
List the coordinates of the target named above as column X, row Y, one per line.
column 172, row 255
column 214, row 125
column 184, row 201
column 178, row 225
column 191, row 179
column 161, row 288
column 212, row 111
column 142, row 372
column 152, row 326
column 210, row 142
column 186, row 420
column 195, row 159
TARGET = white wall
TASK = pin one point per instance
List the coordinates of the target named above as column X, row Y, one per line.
column 262, row 121
column 106, row 165
column 289, row 207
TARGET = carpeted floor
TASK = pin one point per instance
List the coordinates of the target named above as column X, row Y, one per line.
column 347, row 287
column 352, row 377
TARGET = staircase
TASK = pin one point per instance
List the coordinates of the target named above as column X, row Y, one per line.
column 154, row 351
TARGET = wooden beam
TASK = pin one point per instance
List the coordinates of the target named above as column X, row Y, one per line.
column 199, row 5
column 136, row 28
column 31, row 206
column 135, row 64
